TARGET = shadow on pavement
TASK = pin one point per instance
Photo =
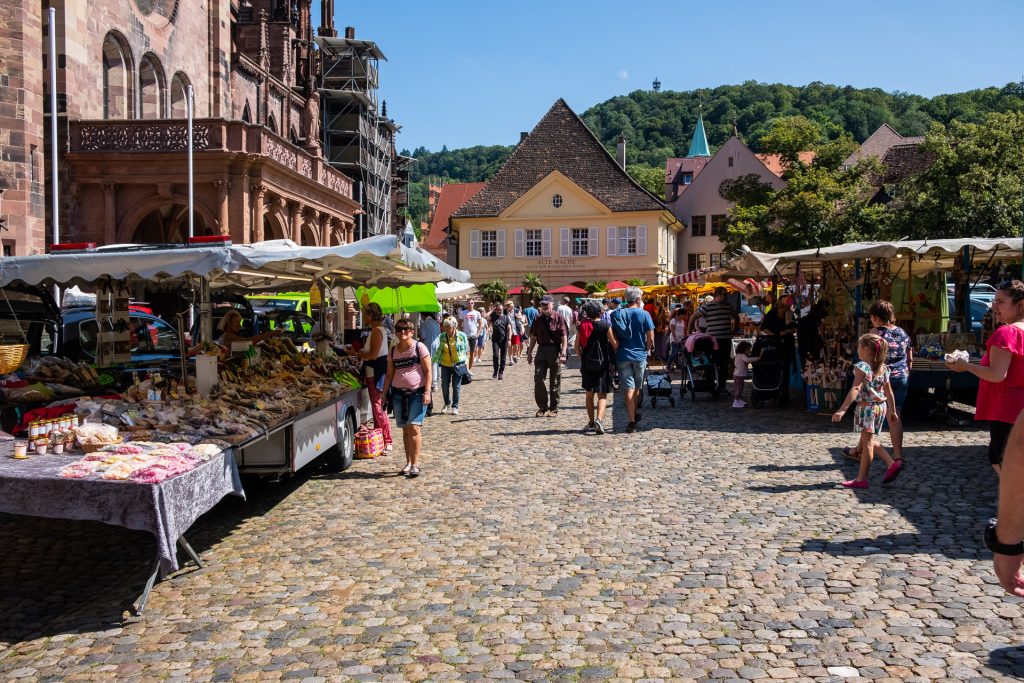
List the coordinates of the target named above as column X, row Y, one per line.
column 1008, row 661
column 69, row 576
column 947, row 493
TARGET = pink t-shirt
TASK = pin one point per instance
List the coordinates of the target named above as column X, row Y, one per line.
column 1004, row 400
column 409, row 367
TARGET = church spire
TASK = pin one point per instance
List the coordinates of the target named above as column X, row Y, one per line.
column 699, row 145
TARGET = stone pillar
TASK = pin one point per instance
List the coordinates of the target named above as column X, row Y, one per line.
column 257, row 191
column 223, row 187
column 109, row 213
column 295, row 216
column 325, row 229
column 350, row 233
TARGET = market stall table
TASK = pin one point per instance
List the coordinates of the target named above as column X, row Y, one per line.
column 166, row 510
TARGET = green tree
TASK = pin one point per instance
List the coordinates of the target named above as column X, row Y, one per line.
column 648, row 177
column 533, row 286
column 596, row 286
column 493, row 291
column 975, row 185
column 637, row 282
column 789, row 136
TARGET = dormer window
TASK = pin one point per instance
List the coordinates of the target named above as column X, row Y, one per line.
column 556, row 201
column 687, row 178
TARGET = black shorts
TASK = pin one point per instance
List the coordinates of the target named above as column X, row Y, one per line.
column 599, row 382
column 999, row 435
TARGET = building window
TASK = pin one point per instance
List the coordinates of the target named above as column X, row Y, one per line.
column 8, row 248
column 118, row 78
column 715, row 260
column 718, row 224
column 151, row 88
column 580, row 242
column 488, row 244
column 179, row 96
column 702, row 261
column 687, row 178
column 627, row 242
column 556, row 201
column 535, row 243
column 730, row 162
column 698, row 226
column 691, row 262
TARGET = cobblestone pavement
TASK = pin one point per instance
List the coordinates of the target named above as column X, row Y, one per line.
column 710, row 545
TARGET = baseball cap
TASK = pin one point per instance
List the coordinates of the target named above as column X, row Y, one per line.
column 546, row 300
column 616, row 300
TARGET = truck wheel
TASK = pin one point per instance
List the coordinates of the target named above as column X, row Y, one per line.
column 341, row 456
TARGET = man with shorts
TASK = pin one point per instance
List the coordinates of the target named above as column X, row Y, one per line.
column 634, row 330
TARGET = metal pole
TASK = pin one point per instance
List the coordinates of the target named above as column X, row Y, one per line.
column 55, row 202
column 858, row 309
column 190, row 103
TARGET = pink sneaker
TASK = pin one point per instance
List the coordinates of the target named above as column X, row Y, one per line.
column 854, row 484
column 893, row 471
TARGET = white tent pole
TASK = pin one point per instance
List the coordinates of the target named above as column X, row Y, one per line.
column 55, row 192
column 190, row 103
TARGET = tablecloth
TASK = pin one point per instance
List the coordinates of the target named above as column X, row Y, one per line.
column 166, row 510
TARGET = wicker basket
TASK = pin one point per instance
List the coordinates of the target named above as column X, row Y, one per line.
column 94, row 447
column 12, row 356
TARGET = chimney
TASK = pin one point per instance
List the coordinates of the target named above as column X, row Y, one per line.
column 620, row 151
column 522, row 137
column 350, row 32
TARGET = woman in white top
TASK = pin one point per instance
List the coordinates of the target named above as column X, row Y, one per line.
column 375, row 366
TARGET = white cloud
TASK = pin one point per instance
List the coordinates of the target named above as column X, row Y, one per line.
column 623, row 75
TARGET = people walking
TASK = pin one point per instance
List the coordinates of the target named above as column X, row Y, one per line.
column 502, row 327
column 1001, row 371
column 720, row 321
column 550, row 336
column 430, row 330
column 471, row 321
column 452, row 356
column 565, row 310
column 595, row 346
column 531, row 313
column 374, row 354
column 634, row 332
column 873, row 394
column 408, row 384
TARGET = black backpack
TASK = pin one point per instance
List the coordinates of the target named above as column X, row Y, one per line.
column 594, row 359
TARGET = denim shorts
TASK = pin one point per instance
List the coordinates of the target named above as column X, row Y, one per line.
column 417, row 411
column 631, row 372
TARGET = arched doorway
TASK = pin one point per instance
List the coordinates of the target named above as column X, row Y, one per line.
column 273, row 228
column 118, row 78
column 168, row 225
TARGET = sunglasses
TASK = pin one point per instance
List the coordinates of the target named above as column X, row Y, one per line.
column 402, row 330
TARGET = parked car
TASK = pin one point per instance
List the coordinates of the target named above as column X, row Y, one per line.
column 979, row 307
column 153, row 340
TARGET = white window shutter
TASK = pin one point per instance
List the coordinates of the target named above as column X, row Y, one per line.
column 592, row 246
column 641, row 240
column 545, row 243
column 500, row 252
column 474, row 244
column 565, row 249
column 520, row 243
column 613, row 244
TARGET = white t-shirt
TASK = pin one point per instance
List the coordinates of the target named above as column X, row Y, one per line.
column 742, row 363
column 566, row 313
column 678, row 329
column 470, row 322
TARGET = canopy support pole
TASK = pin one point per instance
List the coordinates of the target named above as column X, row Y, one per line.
column 963, row 292
column 858, row 292
column 205, row 311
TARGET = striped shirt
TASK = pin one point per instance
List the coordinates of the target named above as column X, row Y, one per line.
column 719, row 318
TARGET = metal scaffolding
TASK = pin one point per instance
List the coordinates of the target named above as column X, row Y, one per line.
column 358, row 139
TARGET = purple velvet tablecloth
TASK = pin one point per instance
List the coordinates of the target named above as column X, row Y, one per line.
column 166, row 510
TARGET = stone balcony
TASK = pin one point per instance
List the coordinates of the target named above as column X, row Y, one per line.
column 208, row 135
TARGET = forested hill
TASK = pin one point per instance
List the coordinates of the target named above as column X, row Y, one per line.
column 658, row 125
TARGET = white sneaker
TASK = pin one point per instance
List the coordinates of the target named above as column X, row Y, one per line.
column 738, row 404
column 455, row 411
column 444, row 411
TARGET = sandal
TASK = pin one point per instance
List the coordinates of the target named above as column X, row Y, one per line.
column 388, row 449
column 414, row 472
column 851, row 454
column 541, row 413
column 553, row 412
column 407, row 468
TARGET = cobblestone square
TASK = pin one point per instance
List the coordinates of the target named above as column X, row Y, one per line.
column 712, row 544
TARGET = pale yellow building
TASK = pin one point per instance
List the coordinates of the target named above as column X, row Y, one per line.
column 563, row 208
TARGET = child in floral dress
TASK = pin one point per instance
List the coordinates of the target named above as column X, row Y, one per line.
column 874, row 397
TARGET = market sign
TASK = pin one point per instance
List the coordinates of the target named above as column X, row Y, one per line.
column 559, row 264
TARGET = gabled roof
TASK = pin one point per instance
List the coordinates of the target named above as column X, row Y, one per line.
column 773, row 162
column 879, row 142
column 903, row 161
column 449, row 200
column 561, row 142
column 699, row 144
column 676, row 166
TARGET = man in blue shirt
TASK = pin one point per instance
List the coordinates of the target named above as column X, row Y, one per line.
column 634, row 330
column 531, row 314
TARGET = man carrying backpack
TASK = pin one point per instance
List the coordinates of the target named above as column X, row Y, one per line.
column 634, row 330
column 595, row 346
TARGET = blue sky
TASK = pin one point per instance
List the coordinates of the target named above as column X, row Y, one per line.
column 470, row 73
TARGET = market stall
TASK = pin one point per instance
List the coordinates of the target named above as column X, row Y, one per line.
column 158, row 451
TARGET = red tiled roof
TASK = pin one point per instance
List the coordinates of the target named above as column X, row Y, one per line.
column 773, row 162
column 677, row 165
column 561, row 142
column 880, row 142
column 451, row 199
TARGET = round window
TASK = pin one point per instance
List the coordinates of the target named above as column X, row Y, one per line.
column 556, row 201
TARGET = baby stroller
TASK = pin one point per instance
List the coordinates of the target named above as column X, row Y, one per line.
column 699, row 370
column 658, row 383
column 766, row 373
